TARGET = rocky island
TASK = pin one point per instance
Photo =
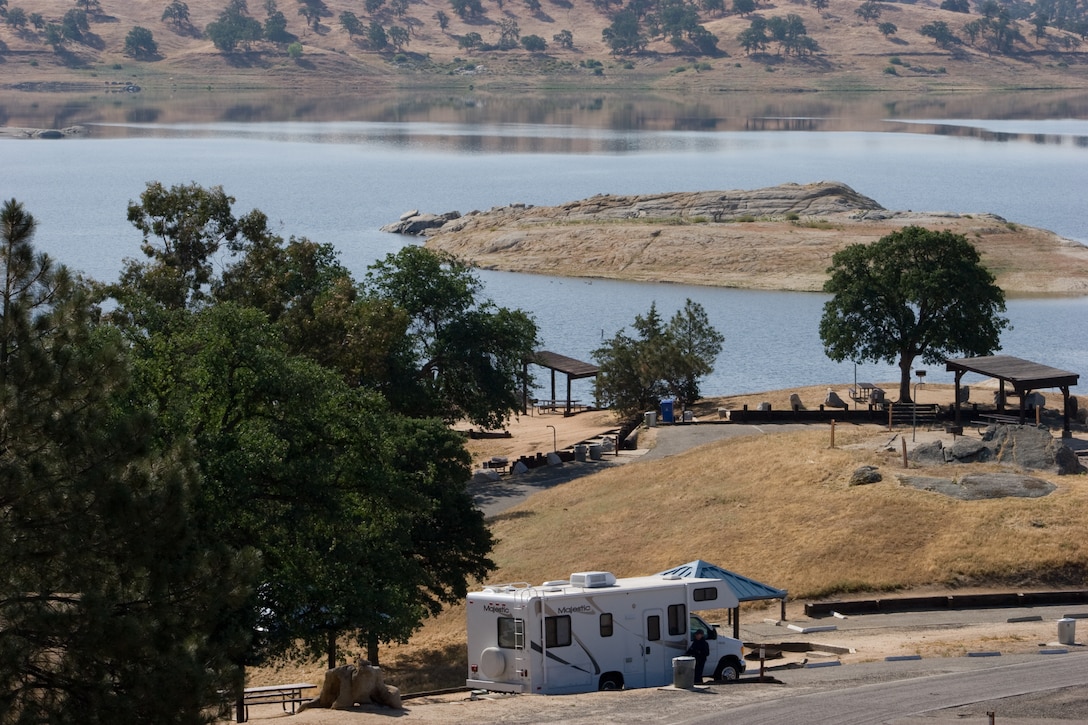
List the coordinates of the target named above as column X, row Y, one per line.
column 779, row 238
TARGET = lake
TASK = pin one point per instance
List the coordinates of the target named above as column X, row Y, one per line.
column 338, row 179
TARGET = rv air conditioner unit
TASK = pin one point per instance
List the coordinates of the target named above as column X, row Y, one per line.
column 593, row 579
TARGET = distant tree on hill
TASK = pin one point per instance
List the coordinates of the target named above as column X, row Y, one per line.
column 399, row 7
column 714, row 6
column 509, row 32
column 564, row 39
column 887, row 29
column 140, row 44
column 398, row 36
column 624, row 35
column 470, row 40
column 351, row 24
column 16, row 18
column 443, row 20
column 956, row 6
column 54, row 35
column 275, row 28
column 233, row 27
column 744, row 7
column 940, row 32
column 534, row 43
column 467, row 8
column 74, row 25
column 820, row 5
column 912, row 293
column 376, row 37
column 373, row 6
column 177, row 13
column 311, row 15
column 92, row 7
column 869, row 10
column 754, row 38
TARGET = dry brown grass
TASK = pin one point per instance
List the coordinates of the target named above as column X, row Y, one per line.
column 776, row 508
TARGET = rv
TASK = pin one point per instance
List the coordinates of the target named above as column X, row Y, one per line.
column 593, row 632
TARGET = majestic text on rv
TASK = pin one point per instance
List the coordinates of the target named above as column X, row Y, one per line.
column 593, row 632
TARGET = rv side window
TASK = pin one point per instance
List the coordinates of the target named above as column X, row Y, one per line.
column 508, row 632
column 606, row 624
column 705, row 594
column 557, row 631
column 653, row 627
column 678, row 619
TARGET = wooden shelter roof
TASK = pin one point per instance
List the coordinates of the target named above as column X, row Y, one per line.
column 573, row 369
column 1023, row 374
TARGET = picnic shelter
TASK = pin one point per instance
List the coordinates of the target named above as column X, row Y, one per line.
column 1024, row 376
column 556, row 363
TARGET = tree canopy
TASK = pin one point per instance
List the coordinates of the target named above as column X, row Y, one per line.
column 279, row 368
column 914, row 292
column 117, row 606
column 664, row 359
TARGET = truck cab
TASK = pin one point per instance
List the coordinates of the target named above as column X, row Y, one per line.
column 726, row 653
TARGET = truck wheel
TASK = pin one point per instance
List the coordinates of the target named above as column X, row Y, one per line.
column 730, row 672
column 611, row 681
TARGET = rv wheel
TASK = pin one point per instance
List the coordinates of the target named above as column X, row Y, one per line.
column 611, row 681
column 730, row 672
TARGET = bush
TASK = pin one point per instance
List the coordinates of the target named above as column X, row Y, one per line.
column 294, row 50
column 890, row 70
column 894, row 60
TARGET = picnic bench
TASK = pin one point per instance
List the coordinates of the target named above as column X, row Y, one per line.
column 985, row 420
column 271, row 694
column 865, row 392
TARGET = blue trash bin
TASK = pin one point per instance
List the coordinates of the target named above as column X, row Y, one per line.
column 666, row 410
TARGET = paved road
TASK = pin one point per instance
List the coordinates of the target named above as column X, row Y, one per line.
column 886, row 702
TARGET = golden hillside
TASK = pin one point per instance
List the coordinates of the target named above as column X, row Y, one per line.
column 851, row 53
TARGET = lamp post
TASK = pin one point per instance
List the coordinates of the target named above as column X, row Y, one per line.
column 914, row 408
column 554, row 446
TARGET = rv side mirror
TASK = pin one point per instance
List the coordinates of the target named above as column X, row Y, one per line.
column 712, row 634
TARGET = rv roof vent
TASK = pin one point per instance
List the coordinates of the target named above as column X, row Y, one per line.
column 556, row 583
column 593, row 579
column 670, row 577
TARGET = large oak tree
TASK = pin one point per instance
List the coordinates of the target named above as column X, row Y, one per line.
column 913, row 293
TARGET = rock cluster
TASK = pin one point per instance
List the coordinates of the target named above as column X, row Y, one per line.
column 802, row 200
column 1020, row 445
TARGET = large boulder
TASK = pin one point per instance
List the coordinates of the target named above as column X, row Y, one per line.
column 418, row 224
column 1022, row 445
column 357, row 684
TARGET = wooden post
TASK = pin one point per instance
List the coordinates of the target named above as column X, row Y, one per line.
column 904, row 452
column 890, row 407
column 1038, row 413
column 832, row 432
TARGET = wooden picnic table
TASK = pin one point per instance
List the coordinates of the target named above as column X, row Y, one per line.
column 270, row 694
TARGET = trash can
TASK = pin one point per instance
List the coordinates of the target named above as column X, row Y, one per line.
column 689, row 416
column 666, row 410
column 650, row 419
column 683, row 672
column 580, row 452
column 595, row 452
column 1067, row 630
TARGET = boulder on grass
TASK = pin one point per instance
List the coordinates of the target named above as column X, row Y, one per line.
column 357, row 684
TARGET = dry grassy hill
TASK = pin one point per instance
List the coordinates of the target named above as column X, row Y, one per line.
column 852, row 54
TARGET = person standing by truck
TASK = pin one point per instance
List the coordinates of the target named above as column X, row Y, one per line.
column 700, row 650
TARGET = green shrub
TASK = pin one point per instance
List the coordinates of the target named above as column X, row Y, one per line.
column 890, row 70
column 894, row 60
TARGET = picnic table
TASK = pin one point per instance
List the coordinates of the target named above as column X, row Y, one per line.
column 866, row 391
column 270, row 694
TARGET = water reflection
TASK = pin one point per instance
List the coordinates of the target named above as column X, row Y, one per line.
column 139, row 115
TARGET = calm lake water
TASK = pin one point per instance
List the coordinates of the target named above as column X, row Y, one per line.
column 338, row 181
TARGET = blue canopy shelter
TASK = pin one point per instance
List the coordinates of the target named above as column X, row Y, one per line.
column 747, row 590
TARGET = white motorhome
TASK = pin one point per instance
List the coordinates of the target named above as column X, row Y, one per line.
column 593, row 632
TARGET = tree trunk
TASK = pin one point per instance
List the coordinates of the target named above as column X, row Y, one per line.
column 372, row 649
column 904, row 378
column 330, row 650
